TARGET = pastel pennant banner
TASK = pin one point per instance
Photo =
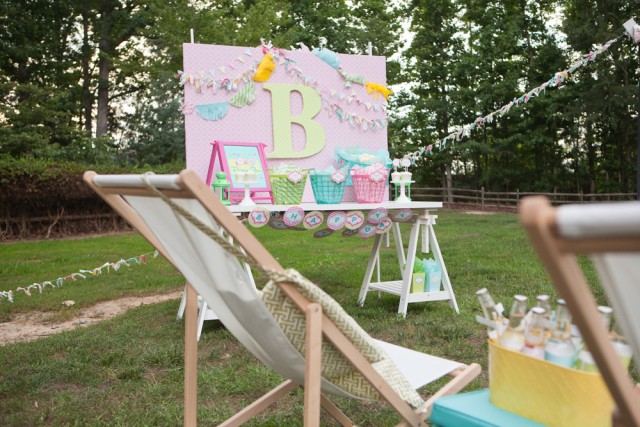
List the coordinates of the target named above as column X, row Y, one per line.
column 81, row 274
column 557, row 80
column 333, row 100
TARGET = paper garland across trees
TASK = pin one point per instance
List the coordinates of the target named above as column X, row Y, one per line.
column 558, row 79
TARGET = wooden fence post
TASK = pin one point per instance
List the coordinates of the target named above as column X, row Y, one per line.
column 481, row 198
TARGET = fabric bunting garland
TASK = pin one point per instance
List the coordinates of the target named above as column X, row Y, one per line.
column 245, row 96
column 556, row 81
column 214, row 111
column 333, row 101
column 351, row 78
column 82, row 274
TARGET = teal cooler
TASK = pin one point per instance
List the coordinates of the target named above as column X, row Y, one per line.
column 473, row 409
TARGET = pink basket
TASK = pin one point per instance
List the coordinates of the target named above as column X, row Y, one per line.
column 369, row 187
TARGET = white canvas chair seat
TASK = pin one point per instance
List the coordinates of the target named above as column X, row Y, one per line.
column 610, row 234
column 221, row 279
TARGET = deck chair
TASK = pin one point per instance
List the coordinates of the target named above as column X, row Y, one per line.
column 290, row 325
column 610, row 233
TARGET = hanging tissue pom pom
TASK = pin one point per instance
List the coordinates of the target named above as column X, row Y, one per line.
column 266, row 67
column 327, row 56
column 376, row 89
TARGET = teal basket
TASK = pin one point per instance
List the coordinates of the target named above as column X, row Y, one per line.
column 325, row 190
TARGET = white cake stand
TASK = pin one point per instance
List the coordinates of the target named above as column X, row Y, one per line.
column 247, row 179
column 403, row 193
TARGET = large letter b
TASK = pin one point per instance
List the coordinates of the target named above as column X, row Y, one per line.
column 283, row 120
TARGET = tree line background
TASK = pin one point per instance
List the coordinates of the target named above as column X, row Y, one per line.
column 94, row 82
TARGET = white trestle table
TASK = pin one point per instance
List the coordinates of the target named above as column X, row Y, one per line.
column 422, row 230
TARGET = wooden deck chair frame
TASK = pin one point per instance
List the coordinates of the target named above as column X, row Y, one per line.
column 558, row 254
column 189, row 185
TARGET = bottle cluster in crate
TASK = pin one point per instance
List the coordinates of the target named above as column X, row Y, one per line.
column 544, row 332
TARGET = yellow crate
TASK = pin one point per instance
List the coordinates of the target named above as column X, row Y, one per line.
column 545, row 392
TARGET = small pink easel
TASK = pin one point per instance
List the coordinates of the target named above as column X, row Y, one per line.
column 236, row 160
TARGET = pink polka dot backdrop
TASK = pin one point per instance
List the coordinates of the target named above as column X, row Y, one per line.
column 253, row 122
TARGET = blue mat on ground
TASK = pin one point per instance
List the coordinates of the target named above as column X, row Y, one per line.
column 473, row 409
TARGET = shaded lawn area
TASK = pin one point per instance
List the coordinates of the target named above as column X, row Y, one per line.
column 129, row 370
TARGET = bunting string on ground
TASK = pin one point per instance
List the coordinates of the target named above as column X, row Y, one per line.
column 557, row 80
column 81, row 274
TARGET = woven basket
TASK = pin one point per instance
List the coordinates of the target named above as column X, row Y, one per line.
column 367, row 189
column 326, row 190
column 285, row 191
column 545, row 392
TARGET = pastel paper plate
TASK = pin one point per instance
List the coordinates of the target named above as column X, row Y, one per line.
column 336, row 220
column 259, row 217
column 313, row 220
column 293, row 216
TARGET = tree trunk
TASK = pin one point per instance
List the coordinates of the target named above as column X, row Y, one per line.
column 104, row 67
column 449, row 178
column 591, row 159
column 87, row 101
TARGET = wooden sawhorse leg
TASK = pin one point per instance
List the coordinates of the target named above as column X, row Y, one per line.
column 191, row 357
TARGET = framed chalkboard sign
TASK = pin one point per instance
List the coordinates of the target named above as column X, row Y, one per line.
column 243, row 162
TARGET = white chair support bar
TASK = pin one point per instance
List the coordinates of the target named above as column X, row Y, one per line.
column 606, row 219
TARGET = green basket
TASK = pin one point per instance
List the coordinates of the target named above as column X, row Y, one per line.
column 285, row 191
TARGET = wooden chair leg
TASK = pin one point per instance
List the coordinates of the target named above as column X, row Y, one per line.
column 461, row 379
column 190, row 357
column 335, row 412
column 259, row 405
column 313, row 364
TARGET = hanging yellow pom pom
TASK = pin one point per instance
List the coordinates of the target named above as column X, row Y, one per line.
column 377, row 89
column 266, row 67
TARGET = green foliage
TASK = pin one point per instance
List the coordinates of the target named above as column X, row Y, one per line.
column 129, row 370
column 69, row 70
column 469, row 58
column 46, row 188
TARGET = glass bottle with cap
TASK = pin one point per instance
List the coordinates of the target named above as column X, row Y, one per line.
column 620, row 344
column 489, row 307
column 585, row 360
column 534, row 334
column 559, row 348
column 513, row 337
column 544, row 301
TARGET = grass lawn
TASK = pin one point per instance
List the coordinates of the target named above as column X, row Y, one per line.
column 129, row 370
